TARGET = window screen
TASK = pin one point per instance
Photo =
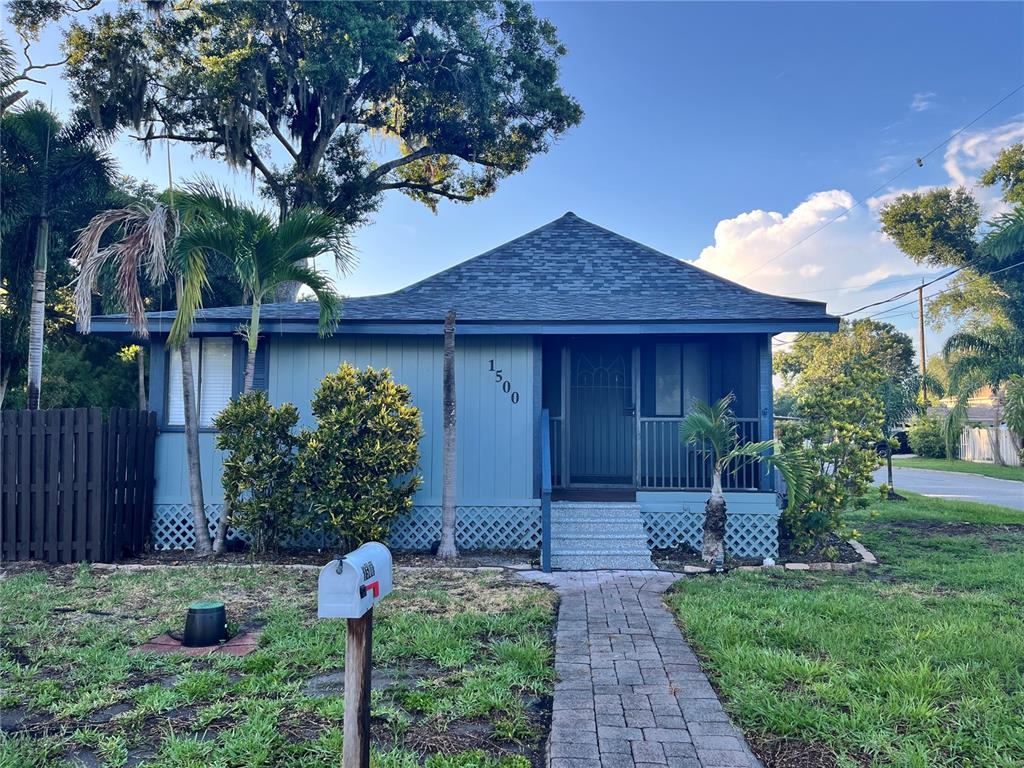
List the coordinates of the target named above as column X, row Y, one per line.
column 175, row 402
column 214, row 379
column 211, row 371
column 667, row 380
column 695, row 374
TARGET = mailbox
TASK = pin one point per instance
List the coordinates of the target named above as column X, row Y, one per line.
column 351, row 586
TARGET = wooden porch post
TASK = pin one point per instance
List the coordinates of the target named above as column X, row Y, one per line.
column 765, row 405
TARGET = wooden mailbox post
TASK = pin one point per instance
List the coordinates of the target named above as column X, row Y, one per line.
column 348, row 588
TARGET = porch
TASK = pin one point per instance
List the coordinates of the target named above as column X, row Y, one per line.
column 615, row 405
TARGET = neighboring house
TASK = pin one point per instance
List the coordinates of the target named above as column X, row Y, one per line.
column 984, row 407
column 611, row 338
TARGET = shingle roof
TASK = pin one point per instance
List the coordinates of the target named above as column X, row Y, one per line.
column 569, row 270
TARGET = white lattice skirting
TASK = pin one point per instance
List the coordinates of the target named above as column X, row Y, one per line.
column 477, row 527
column 746, row 534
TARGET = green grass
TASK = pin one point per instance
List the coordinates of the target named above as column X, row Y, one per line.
column 914, row 663
column 452, row 648
column 971, row 467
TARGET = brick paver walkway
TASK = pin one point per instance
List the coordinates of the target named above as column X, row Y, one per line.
column 630, row 691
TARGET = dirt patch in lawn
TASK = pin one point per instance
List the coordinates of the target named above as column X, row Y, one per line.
column 938, row 528
column 777, row 752
column 448, row 641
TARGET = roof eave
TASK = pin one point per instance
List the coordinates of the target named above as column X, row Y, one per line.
column 115, row 326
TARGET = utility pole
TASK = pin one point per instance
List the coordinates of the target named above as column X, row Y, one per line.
column 920, row 333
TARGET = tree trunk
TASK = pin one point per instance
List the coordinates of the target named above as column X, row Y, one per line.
column 447, row 549
column 37, row 314
column 5, row 378
column 195, row 478
column 714, row 529
column 140, row 368
column 997, row 451
column 253, row 338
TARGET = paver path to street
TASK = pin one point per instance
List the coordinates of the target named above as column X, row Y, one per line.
column 630, row 691
column 956, row 486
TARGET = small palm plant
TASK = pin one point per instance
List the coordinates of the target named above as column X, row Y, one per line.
column 713, row 428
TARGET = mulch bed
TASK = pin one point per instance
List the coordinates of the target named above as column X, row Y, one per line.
column 683, row 555
column 472, row 559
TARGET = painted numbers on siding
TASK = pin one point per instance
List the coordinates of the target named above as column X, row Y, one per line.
column 505, row 384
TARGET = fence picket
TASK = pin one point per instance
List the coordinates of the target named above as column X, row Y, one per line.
column 8, row 497
column 52, row 443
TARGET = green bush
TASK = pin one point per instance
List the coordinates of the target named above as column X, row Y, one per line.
column 259, row 461
column 355, row 470
column 840, row 420
column 925, row 437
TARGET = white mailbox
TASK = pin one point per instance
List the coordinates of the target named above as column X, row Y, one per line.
column 350, row 587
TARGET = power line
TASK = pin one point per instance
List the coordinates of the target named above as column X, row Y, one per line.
column 780, row 342
column 901, row 295
column 917, row 162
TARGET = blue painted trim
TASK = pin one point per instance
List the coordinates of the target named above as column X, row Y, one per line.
column 545, row 491
column 118, row 326
column 158, row 380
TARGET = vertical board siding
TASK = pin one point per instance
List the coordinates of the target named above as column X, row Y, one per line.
column 495, row 436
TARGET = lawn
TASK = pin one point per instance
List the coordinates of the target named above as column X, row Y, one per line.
column 917, row 662
column 956, row 465
column 462, row 663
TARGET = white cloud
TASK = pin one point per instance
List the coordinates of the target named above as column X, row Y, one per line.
column 922, row 101
column 849, row 263
column 831, row 264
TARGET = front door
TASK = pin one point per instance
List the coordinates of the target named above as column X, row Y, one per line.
column 602, row 427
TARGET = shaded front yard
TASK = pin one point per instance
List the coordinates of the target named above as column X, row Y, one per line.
column 463, row 671
column 917, row 662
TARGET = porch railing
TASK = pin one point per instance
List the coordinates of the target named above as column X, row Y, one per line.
column 664, row 463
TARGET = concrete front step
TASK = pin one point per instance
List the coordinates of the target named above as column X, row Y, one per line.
column 634, row 546
column 590, row 561
column 598, row 535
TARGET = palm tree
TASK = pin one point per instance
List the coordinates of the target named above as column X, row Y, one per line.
column 713, row 428
column 266, row 254
column 447, row 548
column 55, row 170
column 989, row 357
column 150, row 241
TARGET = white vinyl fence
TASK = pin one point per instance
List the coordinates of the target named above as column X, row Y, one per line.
column 977, row 444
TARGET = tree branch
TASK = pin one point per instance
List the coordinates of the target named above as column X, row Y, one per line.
column 426, row 188
column 385, row 168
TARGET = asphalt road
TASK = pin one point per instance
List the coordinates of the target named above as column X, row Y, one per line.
column 961, row 486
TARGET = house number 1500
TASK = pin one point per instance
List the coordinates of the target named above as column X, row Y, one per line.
column 506, row 385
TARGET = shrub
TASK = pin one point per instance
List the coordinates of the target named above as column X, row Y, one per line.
column 260, row 447
column 925, row 437
column 355, row 469
column 840, row 419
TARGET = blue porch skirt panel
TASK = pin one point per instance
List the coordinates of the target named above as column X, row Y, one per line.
column 478, row 527
column 674, row 518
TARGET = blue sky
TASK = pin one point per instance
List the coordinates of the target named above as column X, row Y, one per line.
column 725, row 133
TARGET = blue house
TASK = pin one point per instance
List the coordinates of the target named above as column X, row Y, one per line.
column 574, row 343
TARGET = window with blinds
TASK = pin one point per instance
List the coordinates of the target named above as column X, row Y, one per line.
column 212, row 375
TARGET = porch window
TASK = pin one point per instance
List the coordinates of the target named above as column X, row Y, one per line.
column 696, row 373
column 211, row 370
column 668, row 380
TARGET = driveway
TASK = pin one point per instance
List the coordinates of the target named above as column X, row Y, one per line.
column 960, row 486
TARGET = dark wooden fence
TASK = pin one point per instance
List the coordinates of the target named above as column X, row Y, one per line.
column 75, row 485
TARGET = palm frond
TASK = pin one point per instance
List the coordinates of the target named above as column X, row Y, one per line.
column 320, row 284
column 143, row 245
column 1005, row 239
column 953, row 424
column 193, row 276
column 711, row 425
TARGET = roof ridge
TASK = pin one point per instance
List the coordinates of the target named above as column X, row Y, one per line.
column 691, row 265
